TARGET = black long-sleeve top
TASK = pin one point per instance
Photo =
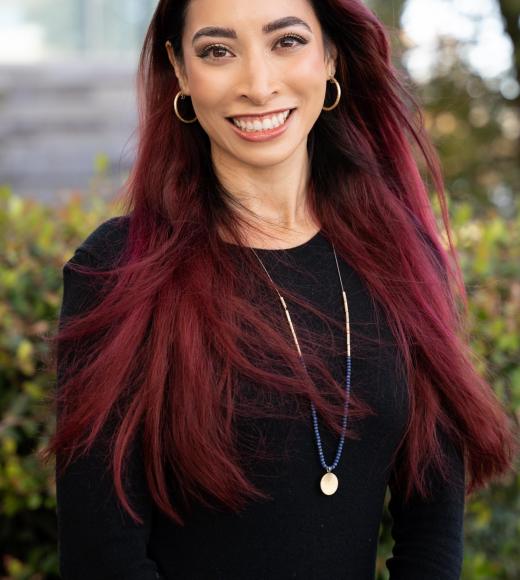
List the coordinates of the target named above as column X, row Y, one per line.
column 300, row 533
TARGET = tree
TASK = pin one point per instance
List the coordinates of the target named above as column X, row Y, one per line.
column 510, row 10
column 473, row 125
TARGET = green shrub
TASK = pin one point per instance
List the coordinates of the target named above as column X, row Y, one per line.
column 489, row 252
column 490, row 256
column 35, row 242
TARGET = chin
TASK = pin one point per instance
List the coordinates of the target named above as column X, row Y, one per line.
column 259, row 155
column 266, row 159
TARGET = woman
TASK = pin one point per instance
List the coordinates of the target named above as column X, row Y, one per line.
column 271, row 333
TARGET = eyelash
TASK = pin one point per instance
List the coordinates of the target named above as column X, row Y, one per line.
column 205, row 51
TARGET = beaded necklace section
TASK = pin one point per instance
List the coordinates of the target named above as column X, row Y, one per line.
column 329, row 481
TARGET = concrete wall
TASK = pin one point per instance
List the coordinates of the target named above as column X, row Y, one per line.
column 55, row 118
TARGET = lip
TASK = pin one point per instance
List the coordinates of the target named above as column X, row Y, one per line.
column 267, row 135
column 267, row 114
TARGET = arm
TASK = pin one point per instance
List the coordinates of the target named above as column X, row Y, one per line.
column 96, row 537
column 428, row 534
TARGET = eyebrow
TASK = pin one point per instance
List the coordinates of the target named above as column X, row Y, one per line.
column 217, row 31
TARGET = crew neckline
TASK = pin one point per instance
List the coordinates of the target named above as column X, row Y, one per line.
column 274, row 250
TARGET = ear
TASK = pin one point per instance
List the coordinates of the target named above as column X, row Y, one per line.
column 178, row 68
column 331, row 58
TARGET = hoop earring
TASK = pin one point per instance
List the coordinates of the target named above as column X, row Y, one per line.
column 179, row 94
column 338, row 97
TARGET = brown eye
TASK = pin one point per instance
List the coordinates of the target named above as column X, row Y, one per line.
column 218, row 51
column 292, row 37
column 212, row 50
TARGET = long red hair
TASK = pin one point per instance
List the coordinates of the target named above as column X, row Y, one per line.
column 177, row 322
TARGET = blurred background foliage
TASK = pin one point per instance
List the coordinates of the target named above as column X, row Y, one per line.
column 474, row 123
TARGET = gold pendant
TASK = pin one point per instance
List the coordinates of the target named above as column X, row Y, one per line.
column 329, row 483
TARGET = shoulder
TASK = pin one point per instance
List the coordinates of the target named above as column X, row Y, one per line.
column 98, row 251
column 104, row 244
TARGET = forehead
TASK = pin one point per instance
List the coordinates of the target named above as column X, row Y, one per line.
column 250, row 15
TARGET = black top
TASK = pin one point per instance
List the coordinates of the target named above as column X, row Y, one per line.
column 300, row 533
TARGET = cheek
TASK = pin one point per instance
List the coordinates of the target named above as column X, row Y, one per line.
column 309, row 74
column 208, row 103
column 200, row 80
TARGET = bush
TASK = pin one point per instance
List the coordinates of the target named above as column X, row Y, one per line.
column 489, row 251
column 35, row 242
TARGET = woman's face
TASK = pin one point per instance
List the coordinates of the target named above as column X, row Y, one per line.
column 258, row 66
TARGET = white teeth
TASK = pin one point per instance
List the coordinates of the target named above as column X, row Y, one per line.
column 264, row 124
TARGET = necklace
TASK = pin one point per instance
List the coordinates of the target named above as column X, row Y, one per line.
column 329, row 481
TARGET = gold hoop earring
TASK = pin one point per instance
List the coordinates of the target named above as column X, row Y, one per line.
column 179, row 94
column 338, row 97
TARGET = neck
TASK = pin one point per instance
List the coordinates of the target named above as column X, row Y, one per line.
column 273, row 198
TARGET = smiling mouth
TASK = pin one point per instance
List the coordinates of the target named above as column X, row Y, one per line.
column 266, row 122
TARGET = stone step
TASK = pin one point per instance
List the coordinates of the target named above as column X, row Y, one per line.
column 56, row 118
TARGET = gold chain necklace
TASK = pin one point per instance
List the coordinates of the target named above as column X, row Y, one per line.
column 329, row 481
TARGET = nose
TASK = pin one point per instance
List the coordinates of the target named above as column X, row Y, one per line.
column 259, row 79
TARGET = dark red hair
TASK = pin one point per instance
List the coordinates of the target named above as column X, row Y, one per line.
column 178, row 322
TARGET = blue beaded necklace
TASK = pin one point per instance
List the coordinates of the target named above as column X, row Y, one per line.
column 329, row 481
